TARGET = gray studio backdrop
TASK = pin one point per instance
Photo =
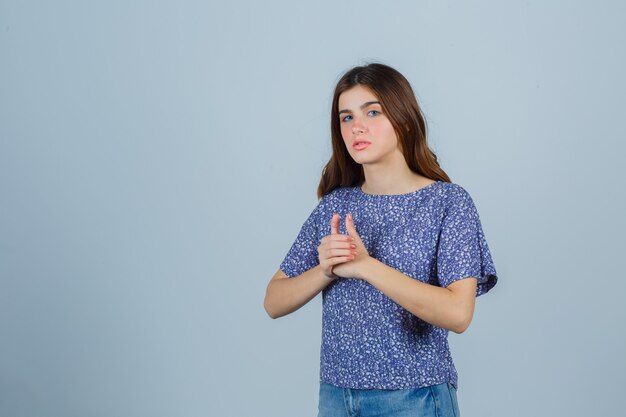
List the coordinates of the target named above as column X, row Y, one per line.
column 157, row 160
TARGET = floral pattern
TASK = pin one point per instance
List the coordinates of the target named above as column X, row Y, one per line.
column 434, row 235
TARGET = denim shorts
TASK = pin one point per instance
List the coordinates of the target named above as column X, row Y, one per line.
column 436, row 401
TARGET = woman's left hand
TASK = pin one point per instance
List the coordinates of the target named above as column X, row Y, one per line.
column 355, row 267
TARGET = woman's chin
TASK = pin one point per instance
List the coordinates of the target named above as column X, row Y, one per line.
column 360, row 158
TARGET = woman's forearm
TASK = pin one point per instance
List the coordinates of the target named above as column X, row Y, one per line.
column 452, row 310
column 286, row 295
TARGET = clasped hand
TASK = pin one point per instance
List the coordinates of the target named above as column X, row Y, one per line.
column 342, row 255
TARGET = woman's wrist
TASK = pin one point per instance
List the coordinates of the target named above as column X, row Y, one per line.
column 325, row 278
column 365, row 271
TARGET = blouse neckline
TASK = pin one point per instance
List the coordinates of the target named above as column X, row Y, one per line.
column 419, row 190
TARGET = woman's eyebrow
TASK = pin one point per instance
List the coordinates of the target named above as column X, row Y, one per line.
column 364, row 105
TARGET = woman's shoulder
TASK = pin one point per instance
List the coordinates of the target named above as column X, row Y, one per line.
column 454, row 191
column 339, row 193
column 456, row 197
column 333, row 199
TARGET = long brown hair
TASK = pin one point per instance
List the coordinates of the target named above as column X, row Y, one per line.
column 400, row 106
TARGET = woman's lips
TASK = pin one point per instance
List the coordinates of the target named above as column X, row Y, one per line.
column 360, row 145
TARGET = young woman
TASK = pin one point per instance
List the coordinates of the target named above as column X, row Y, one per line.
column 398, row 252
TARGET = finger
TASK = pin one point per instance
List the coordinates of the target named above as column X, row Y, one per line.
column 330, row 249
column 340, row 237
column 341, row 245
column 340, row 260
column 334, row 224
column 337, row 241
column 326, row 247
column 333, row 253
column 350, row 226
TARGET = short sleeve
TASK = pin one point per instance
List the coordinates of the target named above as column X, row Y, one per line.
column 302, row 255
column 462, row 249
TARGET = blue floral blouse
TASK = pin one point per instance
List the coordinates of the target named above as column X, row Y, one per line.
column 433, row 235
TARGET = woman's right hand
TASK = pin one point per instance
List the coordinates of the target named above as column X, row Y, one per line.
column 335, row 248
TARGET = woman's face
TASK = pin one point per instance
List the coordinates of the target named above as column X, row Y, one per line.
column 367, row 132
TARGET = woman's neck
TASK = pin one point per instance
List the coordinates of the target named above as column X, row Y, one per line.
column 386, row 182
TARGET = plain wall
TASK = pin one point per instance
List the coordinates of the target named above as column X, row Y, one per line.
column 157, row 160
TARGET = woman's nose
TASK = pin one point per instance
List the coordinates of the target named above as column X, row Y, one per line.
column 358, row 127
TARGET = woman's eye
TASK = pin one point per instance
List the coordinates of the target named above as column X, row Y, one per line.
column 345, row 118
column 373, row 111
